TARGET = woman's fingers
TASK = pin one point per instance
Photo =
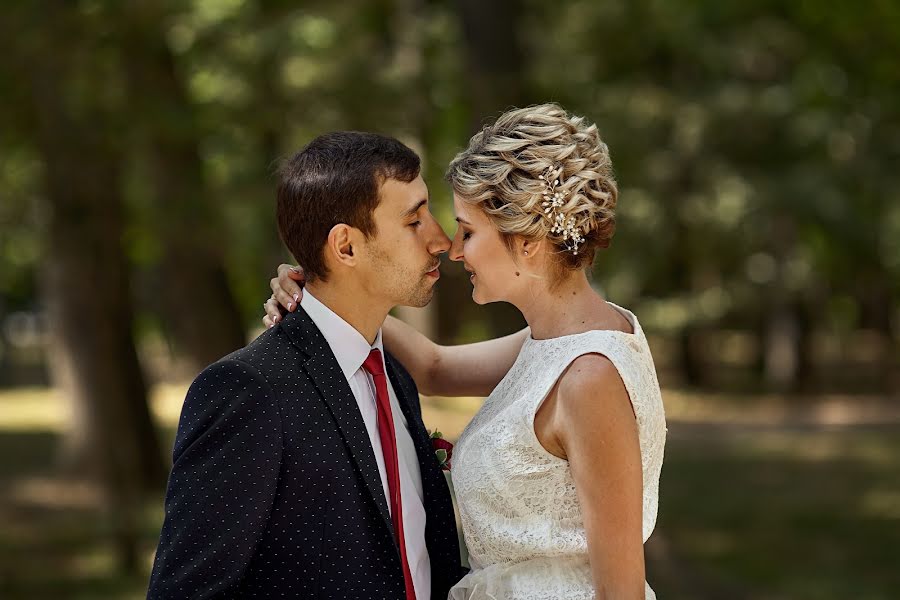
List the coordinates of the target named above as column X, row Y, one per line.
column 289, row 301
column 288, row 286
column 287, row 291
column 292, row 279
column 274, row 312
column 294, row 272
column 277, row 306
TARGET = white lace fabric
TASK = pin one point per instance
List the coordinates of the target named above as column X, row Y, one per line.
column 520, row 513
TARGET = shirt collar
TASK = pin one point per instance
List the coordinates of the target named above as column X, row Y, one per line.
column 349, row 346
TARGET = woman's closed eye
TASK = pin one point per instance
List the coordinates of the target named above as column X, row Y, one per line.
column 466, row 235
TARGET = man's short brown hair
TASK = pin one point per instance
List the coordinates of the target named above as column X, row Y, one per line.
column 335, row 179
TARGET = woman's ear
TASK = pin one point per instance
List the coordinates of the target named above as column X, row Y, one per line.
column 339, row 245
column 526, row 249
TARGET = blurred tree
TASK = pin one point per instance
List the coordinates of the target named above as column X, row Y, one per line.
column 754, row 143
column 494, row 58
column 494, row 79
column 188, row 225
column 63, row 68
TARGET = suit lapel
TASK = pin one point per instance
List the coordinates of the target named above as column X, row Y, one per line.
column 322, row 367
column 440, row 520
column 434, row 486
column 427, row 460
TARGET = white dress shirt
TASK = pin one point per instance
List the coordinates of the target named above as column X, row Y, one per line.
column 351, row 349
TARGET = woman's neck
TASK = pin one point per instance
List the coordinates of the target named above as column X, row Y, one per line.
column 572, row 306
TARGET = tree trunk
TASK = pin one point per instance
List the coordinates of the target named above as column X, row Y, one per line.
column 201, row 311
column 494, row 57
column 690, row 356
column 496, row 82
column 686, row 277
column 877, row 302
column 87, row 285
column 786, row 332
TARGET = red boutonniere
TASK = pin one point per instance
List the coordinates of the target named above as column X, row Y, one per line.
column 443, row 449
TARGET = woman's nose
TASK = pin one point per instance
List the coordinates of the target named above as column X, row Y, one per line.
column 456, row 253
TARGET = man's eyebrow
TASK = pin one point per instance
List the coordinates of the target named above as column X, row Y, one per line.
column 414, row 209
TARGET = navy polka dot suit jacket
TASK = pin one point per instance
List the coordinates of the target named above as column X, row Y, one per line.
column 274, row 490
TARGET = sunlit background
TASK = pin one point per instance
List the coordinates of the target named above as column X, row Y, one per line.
column 756, row 145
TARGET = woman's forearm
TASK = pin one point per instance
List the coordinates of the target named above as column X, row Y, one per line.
column 464, row 370
column 417, row 353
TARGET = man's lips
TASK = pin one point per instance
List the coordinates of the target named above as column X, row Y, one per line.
column 435, row 272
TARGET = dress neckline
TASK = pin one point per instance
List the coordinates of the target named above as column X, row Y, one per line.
column 629, row 316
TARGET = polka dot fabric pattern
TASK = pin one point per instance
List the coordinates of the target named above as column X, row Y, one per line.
column 521, row 517
column 274, row 490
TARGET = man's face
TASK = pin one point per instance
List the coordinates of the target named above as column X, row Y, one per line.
column 402, row 258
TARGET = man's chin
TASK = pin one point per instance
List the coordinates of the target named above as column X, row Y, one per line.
column 422, row 299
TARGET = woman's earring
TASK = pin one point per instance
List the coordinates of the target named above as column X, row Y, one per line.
column 526, row 253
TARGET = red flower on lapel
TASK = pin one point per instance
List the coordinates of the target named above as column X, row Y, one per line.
column 443, row 449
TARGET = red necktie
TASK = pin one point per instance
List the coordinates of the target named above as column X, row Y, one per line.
column 375, row 367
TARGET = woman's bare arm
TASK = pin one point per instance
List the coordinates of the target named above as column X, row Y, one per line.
column 596, row 427
column 465, row 370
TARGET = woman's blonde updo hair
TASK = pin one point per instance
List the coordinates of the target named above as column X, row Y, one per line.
column 500, row 173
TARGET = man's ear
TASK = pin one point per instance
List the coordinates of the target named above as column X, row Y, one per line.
column 339, row 245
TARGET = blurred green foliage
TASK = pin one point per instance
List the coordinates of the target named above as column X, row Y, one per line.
column 756, row 143
column 756, row 146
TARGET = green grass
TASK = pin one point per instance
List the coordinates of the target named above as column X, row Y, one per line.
column 753, row 509
column 782, row 513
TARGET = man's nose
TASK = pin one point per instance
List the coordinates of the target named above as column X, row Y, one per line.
column 440, row 242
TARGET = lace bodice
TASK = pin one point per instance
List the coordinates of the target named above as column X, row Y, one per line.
column 520, row 514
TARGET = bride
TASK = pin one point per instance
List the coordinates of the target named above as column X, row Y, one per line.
column 557, row 476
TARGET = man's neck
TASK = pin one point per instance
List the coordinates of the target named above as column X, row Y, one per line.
column 366, row 317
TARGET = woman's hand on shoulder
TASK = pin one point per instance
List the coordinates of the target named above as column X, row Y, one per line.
column 287, row 291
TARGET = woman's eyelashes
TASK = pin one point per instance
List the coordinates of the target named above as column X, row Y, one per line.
column 466, row 235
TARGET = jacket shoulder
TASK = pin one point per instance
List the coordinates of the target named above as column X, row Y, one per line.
column 265, row 353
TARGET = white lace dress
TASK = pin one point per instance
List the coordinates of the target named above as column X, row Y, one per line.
column 521, row 517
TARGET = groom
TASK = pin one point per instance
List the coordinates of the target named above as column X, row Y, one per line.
column 302, row 468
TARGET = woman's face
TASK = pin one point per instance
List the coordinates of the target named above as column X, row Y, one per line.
column 478, row 245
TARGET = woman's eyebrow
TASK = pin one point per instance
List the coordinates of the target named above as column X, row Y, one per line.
column 463, row 221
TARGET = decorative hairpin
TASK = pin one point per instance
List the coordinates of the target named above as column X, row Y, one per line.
column 553, row 202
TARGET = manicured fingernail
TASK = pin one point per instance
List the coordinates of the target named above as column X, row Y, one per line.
column 295, row 270
column 290, row 306
column 296, row 297
column 274, row 319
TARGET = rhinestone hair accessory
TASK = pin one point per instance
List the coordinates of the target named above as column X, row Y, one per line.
column 553, row 202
